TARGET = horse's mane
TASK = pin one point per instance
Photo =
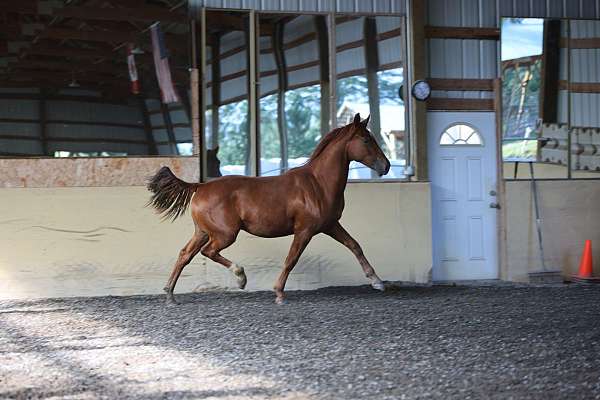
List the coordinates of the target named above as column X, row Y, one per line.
column 331, row 137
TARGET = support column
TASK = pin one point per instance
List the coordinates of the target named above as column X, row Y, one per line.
column 196, row 82
column 42, row 119
column 550, row 72
column 164, row 109
column 253, row 149
column 282, row 84
column 322, row 37
column 416, row 20
column 332, row 71
column 372, row 63
column 152, row 149
column 215, row 90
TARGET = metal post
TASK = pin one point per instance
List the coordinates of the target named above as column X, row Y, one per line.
column 332, row 71
column 202, row 97
column 569, row 134
column 253, row 95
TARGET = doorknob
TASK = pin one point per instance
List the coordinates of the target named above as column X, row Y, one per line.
column 493, row 193
column 495, row 205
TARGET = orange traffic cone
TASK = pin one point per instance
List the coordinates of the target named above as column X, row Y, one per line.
column 586, row 266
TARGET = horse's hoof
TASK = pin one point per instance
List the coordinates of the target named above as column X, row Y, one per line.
column 240, row 275
column 280, row 301
column 378, row 286
column 171, row 301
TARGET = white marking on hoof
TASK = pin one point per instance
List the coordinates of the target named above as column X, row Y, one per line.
column 378, row 285
column 240, row 275
column 280, row 301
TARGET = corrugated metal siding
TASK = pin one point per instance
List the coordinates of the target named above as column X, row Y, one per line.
column 179, row 118
column 66, row 110
column 478, row 59
column 342, row 6
column 585, row 68
column 237, row 62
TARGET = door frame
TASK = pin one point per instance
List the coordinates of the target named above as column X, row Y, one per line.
column 501, row 266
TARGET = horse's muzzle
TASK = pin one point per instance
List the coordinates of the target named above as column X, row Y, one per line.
column 382, row 167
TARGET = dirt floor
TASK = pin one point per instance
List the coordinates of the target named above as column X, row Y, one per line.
column 343, row 343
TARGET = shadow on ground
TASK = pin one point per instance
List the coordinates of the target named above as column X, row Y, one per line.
column 335, row 343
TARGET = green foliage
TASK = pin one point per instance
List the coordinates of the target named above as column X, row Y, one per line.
column 303, row 118
column 518, row 122
column 352, row 90
column 233, row 133
column 269, row 132
column 521, row 149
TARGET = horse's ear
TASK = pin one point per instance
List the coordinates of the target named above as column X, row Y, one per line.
column 366, row 121
column 357, row 119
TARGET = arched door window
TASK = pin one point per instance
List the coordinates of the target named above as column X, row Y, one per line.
column 460, row 134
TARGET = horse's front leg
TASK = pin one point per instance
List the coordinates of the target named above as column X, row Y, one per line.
column 300, row 242
column 339, row 233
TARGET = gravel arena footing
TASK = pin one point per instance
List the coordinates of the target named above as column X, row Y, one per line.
column 442, row 342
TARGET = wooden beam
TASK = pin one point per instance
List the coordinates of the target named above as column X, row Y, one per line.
column 52, row 65
column 87, row 36
column 550, row 71
column 74, row 139
column 82, row 99
column 54, row 50
column 142, row 14
column 486, row 85
column 579, row 87
column 309, row 37
column 457, row 104
column 582, row 43
column 94, row 123
column 451, row 32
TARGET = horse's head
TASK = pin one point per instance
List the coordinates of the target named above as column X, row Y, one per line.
column 364, row 148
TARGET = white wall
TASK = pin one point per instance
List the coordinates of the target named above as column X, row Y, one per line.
column 103, row 241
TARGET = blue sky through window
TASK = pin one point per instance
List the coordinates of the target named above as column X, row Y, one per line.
column 521, row 37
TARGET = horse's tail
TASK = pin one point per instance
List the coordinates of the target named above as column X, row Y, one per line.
column 170, row 195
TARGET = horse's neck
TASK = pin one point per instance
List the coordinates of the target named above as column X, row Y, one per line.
column 331, row 168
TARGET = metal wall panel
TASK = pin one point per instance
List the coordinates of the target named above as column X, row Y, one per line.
column 341, row 6
column 92, row 112
column 452, row 58
column 20, row 129
column 93, row 131
column 21, row 146
column 24, row 109
column 585, row 68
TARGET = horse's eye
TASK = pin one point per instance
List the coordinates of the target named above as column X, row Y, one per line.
column 367, row 139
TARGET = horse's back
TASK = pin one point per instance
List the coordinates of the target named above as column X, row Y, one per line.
column 263, row 206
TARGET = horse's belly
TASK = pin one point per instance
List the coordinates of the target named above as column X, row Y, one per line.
column 268, row 226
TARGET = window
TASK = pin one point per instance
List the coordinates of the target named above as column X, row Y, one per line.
column 302, row 108
column 460, row 135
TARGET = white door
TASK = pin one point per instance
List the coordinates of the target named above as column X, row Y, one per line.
column 462, row 165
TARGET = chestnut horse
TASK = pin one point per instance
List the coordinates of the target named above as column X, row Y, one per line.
column 304, row 201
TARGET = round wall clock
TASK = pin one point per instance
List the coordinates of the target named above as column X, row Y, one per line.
column 421, row 90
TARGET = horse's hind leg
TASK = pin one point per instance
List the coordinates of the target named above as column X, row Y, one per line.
column 212, row 249
column 185, row 256
column 338, row 233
